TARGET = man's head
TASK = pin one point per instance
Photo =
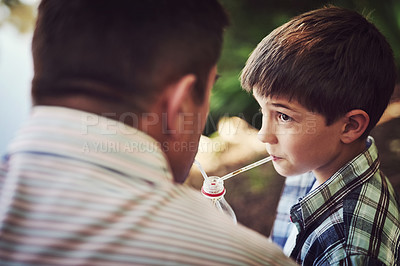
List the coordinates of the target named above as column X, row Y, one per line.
column 123, row 52
column 153, row 58
column 330, row 60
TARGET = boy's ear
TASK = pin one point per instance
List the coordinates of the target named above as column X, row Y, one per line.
column 356, row 122
column 177, row 102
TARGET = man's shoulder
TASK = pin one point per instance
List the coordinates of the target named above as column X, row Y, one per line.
column 3, row 169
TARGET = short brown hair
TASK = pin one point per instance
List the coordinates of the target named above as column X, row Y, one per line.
column 125, row 48
column 331, row 60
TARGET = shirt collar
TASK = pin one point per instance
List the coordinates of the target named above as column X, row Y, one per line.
column 89, row 137
column 315, row 205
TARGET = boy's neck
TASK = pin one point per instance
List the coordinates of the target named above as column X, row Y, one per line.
column 347, row 153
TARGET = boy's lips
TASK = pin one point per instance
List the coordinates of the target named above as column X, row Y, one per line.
column 276, row 158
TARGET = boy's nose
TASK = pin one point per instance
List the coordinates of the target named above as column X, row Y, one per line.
column 267, row 135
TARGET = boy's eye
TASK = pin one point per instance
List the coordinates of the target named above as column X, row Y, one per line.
column 284, row 117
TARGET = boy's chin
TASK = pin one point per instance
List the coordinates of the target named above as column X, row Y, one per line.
column 287, row 172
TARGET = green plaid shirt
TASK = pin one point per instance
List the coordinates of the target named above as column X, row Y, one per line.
column 351, row 219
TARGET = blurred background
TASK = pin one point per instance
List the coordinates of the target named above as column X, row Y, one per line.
column 16, row 26
column 253, row 195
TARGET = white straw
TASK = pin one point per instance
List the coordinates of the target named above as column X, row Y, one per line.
column 201, row 169
column 248, row 167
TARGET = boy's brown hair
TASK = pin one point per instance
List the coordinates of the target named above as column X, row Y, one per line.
column 331, row 60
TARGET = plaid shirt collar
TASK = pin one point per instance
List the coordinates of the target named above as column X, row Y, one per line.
column 315, row 207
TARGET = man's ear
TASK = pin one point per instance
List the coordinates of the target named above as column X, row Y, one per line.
column 179, row 95
column 356, row 122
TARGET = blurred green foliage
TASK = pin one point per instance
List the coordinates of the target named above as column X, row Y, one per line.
column 252, row 20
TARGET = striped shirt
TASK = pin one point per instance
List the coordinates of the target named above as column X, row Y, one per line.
column 81, row 189
column 351, row 219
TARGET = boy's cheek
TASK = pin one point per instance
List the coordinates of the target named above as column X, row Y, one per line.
column 293, row 130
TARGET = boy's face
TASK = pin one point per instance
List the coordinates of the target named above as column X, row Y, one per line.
column 298, row 139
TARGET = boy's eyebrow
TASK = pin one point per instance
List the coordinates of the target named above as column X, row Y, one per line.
column 284, row 106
